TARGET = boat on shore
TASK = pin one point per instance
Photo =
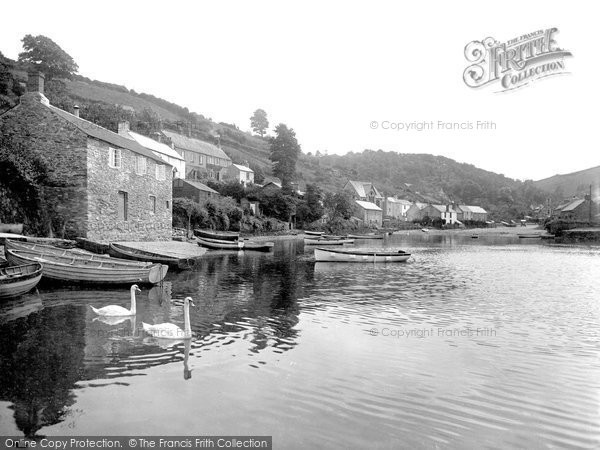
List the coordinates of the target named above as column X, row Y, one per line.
column 528, row 235
column 365, row 236
column 220, row 235
column 20, row 279
column 323, row 241
column 135, row 254
column 92, row 246
column 72, row 269
column 78, row 253
column 360, row 255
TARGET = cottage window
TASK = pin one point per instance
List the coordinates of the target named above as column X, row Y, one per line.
column 122, row 206
column 209, row 160
column 114, row 157
column 152, row 204
column 160, row 172
column 140, row 165
column 200, row 159
column 168, row 205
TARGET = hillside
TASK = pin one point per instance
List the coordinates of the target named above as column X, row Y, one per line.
column 571, row 184
column 416, row 177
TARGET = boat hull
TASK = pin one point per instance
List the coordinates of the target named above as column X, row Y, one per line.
column 81, row 271
column 223, row 236
column 314, row 233
column 365, row 236
column 124, row 252
column 42, row 250
column 308, row 241
column 18, row 280
column 327, row 255
column 218, row 244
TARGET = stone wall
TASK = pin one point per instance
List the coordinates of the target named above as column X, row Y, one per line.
column 61, row 148
column 104, row 184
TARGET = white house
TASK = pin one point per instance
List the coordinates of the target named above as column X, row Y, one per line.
column 243, row 174
column 163, row 151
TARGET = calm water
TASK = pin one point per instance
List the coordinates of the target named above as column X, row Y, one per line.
column 482, row 343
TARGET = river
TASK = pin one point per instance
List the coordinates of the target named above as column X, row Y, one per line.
column 484, row 343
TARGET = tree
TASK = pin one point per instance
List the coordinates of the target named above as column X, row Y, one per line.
column 311, row 208
column 259, row 122
column 284, row 154
column 340, row 205
column 47, row 56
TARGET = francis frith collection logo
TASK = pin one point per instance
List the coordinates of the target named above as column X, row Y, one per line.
column 514, row 63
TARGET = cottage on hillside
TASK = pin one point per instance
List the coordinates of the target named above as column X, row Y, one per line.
column 365, row 191
column 163, row 151
column 395, row 208
column 194, row 190
column 415, row 212
column 240, row 173
column 469, row 212
column 580, row 210
column 99, row 185
column 203, row 160
column 369, row 213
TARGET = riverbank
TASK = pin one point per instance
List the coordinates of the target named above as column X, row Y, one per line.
column 498, row 231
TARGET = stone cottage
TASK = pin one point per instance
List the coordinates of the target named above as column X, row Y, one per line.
column 203, row 160
column 99, row 185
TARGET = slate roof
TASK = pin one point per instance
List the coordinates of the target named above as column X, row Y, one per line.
column 100, row 133
column 155, row 145
column 573, row 205
column 473, row 209
column 398, row 200
column 368, row 205
column 361, row 188
column 199, row 186
column 195, row 145
column 243, row 168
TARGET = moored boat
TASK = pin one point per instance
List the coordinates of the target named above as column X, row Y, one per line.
column 78, row 270
column 43, row 249
column 528, row 235
column 221, row 235
column 135, row 254
column 316, row 241
column 19, row 279
column 360, row 255
column 92, row 246
column 314, row 233
column 219, row 244
column 365, row 236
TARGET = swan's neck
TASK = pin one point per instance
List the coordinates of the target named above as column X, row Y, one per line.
column 132, row 309
column 186, row 320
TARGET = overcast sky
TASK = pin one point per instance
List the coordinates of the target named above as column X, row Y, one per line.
column 328, row 71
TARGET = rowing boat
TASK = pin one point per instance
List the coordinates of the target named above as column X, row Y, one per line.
column 221, row 235
column 218, row 244
column 365, row 236
column 79, row 270
column 135, row 254
column 92, row 246
column 42, row 249
column 309, row 241
column 20, row 279
column 313, row 233
column 528, row 235
column 359, row 255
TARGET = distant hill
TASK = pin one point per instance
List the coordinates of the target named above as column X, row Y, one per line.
column 571, row 184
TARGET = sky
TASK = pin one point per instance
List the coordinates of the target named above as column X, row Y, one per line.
column 343, row 74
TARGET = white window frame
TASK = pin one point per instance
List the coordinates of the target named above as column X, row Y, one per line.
column 141, row 165
column 160, row 172
column 114, row 158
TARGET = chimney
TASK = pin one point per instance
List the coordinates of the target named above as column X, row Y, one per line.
column 76, row 111
column 35, row 82
column 124, row 129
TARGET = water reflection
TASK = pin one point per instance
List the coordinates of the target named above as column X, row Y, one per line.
column 280, row 342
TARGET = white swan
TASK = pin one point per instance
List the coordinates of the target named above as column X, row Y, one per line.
column 114, row 310
column 172, row 331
